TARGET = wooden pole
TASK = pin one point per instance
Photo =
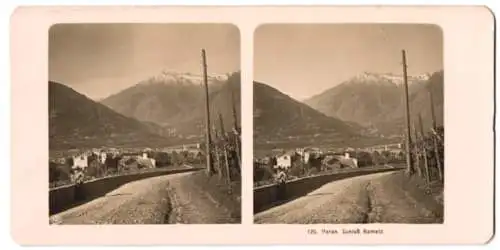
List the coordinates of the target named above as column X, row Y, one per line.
column 426, row 163
column 409, row 169
column 208, row 149
column 237, row 147
column 438, row 159
column 235, row 114
column 417, row 148
column 236, row 130
column 218, row 164
column 227, row 166
column 221, row 124
column 434, row 139
column 433, row 114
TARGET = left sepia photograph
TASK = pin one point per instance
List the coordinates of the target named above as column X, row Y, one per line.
column 144, row 124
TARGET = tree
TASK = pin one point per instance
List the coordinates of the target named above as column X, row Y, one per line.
column 111, row 162
column 386, row 156
column 175, row 158
column 376, row 158
column 53, row 173
column 162, row 159
column 364, row 159
column 315, row 161
column 70, row 162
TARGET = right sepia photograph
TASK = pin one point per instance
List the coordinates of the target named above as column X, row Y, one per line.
column 348, row 124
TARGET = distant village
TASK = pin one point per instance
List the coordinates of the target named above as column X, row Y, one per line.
column 99, row 162
column 301, row 162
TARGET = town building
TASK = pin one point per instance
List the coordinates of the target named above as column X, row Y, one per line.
column 284, row 161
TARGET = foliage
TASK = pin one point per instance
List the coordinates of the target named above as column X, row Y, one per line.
column 376, row 158
column 315, row 161
column 364, row 159
column 162, row 159
column 427, row 147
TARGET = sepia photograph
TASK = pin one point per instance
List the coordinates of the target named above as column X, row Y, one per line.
column 144, row 123
column 348, row 124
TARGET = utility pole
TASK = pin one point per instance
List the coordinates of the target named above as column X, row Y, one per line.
column 409, row 169
column 208, row 149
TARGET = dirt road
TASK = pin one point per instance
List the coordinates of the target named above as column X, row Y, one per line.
column 158, row 200
column 375, row 198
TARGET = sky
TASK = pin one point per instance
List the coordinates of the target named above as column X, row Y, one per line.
column 98, row 60
column 303, row 60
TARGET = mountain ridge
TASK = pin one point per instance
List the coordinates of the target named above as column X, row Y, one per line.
column 377, row 101
column 279, row 116
column 77, row 121
column 177, row 103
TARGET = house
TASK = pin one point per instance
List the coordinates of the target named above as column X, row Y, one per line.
column 146, row 162
column 284, row 161
column 102, row 157
column 80, row 161
column 344, row 160
column 347, row 160
column 305, row 157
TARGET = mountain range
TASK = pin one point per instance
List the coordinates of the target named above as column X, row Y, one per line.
column 77, row 121
column 177, row 101
column 162, row 110
column 280, row 117
column 376, row 101
column 170, row 108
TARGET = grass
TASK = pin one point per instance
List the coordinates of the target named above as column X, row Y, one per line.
column 226, row 194
column 431, row 195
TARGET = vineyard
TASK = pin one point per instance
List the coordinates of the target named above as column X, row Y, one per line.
column 428, row 155
column 226, row 156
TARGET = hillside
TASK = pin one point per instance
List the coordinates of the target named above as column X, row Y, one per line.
column 160, row 99
column 221, row 102
column 77, row 121
column 175, row 102
column 376, row 100
column 277, row 115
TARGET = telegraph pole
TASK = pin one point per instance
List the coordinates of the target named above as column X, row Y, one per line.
column 208, row 152
column 409, row 169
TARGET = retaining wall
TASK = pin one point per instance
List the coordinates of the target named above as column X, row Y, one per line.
column 63, row 198
column 265, row 197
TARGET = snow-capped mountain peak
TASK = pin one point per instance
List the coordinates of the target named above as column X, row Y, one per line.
column 389, row 77
column 171, row 76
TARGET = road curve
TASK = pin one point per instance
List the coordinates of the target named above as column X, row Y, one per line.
column 374, row 198
column 158, row 200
